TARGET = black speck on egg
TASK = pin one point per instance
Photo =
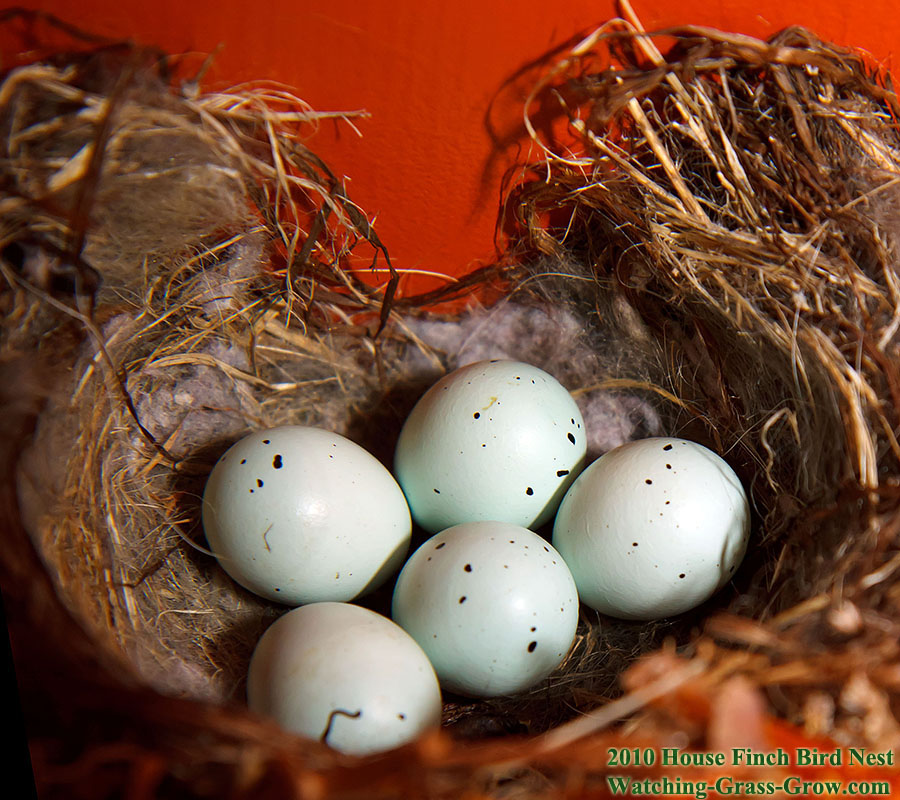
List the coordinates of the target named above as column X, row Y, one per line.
column 681, row 575
column 648, row 481
column 259, row 483
column 277, row 462
column 529, row 491
column 267, row 441
column 667, row 447
column 634, row 544
column 668, row 466
column 570, row 437
column 573, row 420
column 437, row 491
column 476, row 415
column 243, row 460
column 401, row 716
column 468, row 567
column 532, row 646
column 462, row 599
column 442, row 544
column 561, row 473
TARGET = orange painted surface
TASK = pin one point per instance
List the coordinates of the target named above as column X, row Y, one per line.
column 434, row 75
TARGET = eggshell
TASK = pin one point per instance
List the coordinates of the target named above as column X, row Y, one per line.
column 653, row 528
column 492, row 604
column 344, row 675
column 494, row 440
column 300, row 515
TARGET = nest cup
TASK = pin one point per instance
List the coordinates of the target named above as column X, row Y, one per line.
column 180, row 268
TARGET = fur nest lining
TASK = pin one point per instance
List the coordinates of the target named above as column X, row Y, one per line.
column 717, row 250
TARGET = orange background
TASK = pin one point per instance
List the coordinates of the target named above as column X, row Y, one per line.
column 434, row 74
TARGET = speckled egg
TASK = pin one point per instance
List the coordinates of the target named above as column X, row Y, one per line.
column 346, row 676
column 300, row 515
column 653, row 528
column 492, row 604
column 494, row 440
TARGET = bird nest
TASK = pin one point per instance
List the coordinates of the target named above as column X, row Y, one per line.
column 706, row 247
